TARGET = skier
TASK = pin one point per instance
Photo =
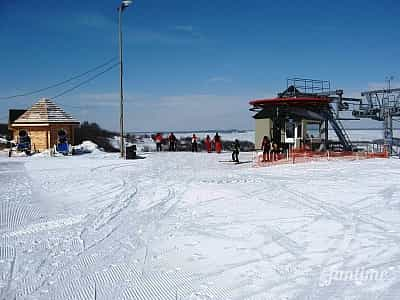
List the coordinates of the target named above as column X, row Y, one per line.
column 207, row 143
column 172, row 142
column 158, row 140
column 217, row 143
column 194, row 143
column 236, row 150
column 266, row 148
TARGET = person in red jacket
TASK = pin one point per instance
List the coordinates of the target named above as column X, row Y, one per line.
column 217, row 143
column 207, row 143
column 158, row 140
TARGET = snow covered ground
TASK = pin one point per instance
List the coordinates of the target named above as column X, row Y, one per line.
column 189, row 226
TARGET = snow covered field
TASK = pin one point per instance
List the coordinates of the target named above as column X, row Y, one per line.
column 187, row 226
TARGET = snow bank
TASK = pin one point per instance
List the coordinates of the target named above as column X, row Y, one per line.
column 114, row 141
column 89, row 147
column 146, row 145
column 142, row 145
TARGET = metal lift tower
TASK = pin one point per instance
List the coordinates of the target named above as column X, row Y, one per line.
column 337, row 104
column 382, row 105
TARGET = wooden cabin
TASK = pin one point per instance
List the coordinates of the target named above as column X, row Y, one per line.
column 42, row 122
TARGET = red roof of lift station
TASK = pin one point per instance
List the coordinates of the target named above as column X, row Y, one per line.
column 298, row 101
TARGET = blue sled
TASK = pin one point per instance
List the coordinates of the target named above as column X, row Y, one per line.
column 63, row 148
column 24, row 147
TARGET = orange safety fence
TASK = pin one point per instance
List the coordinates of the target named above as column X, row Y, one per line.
column 304, row 156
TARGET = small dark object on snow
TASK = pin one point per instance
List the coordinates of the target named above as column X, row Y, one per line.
column 130, row 152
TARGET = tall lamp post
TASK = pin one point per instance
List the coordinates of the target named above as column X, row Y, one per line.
column 124, row 4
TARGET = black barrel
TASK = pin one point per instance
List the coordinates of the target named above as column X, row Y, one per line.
column 130, row 152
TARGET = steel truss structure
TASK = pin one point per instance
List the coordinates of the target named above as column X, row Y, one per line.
column 381, row 105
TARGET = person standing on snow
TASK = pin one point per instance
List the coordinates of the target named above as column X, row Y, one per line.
column 194, row 143
column 236, row 150
column 266, row 148
column 207, row 143
column 217, row 143
column 172, row 142
column 275, row 151
column 158, row 140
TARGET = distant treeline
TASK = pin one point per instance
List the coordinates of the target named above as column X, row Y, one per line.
column 93, row 132
column 4, row 130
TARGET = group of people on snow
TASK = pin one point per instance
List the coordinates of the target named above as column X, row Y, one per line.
column 214, row 143
column 209, row 144
column 270, row 149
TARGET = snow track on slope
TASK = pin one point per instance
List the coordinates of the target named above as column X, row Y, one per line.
column 183, row 226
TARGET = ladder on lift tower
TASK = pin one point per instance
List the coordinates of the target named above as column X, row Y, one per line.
column 340, row 131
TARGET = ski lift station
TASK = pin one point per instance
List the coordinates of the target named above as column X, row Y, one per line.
column 43, row 122
column 300, row 117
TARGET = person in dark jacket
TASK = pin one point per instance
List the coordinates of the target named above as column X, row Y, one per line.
column 236, row 150
column 275, row 151
column 172, row 142
column 194, row 143
column 266, row 148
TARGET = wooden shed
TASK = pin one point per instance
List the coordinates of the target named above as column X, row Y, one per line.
column 42, row 122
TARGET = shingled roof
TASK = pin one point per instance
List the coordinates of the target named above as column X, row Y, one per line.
column 45, row 111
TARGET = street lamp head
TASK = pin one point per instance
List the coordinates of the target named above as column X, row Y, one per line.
column 125, row 4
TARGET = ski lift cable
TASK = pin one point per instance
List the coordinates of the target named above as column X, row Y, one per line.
column 85, row 81
column 62, row 82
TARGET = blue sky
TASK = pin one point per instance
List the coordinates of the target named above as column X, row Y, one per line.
column 192, row 64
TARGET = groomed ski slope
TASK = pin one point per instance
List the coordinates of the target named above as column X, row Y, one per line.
column 187, row 226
